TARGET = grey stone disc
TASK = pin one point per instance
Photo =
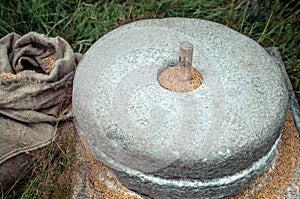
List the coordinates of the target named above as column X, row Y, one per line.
column 210, row 142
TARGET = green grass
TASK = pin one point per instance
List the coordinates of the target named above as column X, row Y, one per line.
column 271, row 23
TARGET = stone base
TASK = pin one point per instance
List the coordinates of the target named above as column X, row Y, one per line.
column 92, row 179
column 157, row 187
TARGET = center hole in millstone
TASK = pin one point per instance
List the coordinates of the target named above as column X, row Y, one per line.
column 169, row 79
column 181, row 78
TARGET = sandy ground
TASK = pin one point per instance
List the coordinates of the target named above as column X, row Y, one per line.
column 92, row 179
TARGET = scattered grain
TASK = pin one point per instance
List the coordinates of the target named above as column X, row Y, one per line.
column 10, row 75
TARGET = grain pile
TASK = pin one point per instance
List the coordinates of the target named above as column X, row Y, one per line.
column 169, row 80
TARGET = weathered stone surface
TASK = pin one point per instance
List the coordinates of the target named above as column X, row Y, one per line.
column 210, row 142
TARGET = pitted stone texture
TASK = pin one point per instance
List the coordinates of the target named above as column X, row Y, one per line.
column 158, row 187
column 135, row 126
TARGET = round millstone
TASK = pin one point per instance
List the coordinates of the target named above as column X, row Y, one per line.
column 210, row 142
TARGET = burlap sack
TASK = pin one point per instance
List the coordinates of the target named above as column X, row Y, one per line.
column 36, row 75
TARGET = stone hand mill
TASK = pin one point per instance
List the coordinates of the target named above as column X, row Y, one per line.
column 180, row 108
